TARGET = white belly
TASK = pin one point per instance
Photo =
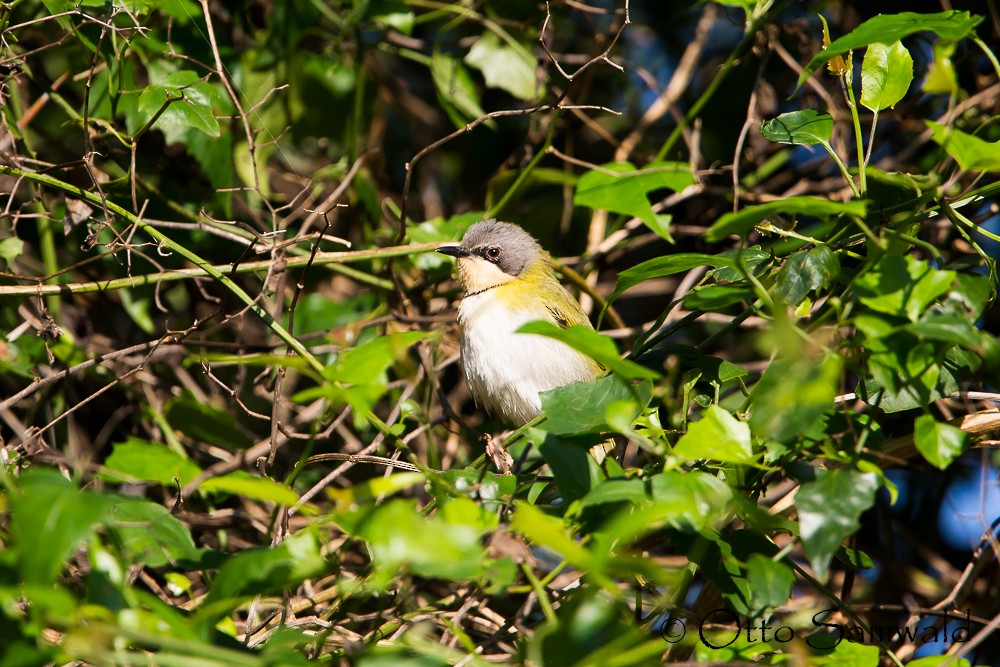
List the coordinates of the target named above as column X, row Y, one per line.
column 506, row 370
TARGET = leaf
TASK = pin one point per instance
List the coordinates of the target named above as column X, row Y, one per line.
column 149, row 534
column 971, row 153
column 664, row 266
column 574, row 469
column 941, row 76
column 243, row 483
column 455, row 89
column 886, row 73
column 261, row 571
column 844, row 653
column 903, row 286
column 631, row 491
column 804, row 272
column 938, row 442
column 50, row 518
column 807, row 127
column 770, row 582
column 186, row 103
column 939, row 661
column 887, row 28
column 579, row 407
column 792, row 394
column 445, row 545
column 718, row 436
column 717, row 297
column 549, row 532
column 597, row 346
column 10, row 249
column 504, row 66
column 621, row 188
column 744, row 220
column 689, row 500
column 829, row 509
column 367, row 363
column 137, row 459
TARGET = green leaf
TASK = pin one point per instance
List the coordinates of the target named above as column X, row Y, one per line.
column 455, row 89
column 690, row 500
column 630, row 491
column 770, row 582
column 939, row 661
column 186, row 103
column 445, row 545
column 579, row 407
column 718, row 436
column 887, row 28
column 845, row 654
column 504, row 66
column 393, row 13
column 743, row 221
column 149, row 534
column 807, row 127
column 243, row 483
column 574, row 469
column 971, row 153
column 941, row 76
column 10, row 249
column 903, row 286
column 717, row 297
column 829, row 509
column 137, row 459
column 261, row 571
column 369, row 361
column 938, row 442
column 549, row 532
column 792, row 394
column 886, row 74
column 50, row 518
column 664, row 266
column 595, row 345
column 621, row 188
column 804, row 272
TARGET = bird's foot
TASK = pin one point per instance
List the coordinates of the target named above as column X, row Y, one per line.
column 496, row 452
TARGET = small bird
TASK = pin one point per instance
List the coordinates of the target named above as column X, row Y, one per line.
column 509, row 281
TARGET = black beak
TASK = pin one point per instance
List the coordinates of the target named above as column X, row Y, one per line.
column 454, row 251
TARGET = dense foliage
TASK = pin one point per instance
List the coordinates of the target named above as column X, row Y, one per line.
column 233, row 421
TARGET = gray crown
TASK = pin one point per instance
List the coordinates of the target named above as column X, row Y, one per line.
column 514, row 248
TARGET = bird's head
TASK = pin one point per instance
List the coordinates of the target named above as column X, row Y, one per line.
column 493, row 253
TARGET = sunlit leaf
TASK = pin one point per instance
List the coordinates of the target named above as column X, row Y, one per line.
column 802, row 128
column 137, row 459
column 971, row 152
column 886, row 73
column 829, row 510
column 770, row 582
column 938, row 442
column 579, row 407
column 621, row 188
column 718, row 436
column 504, row 66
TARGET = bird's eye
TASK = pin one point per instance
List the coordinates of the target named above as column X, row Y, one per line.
column 493, row 253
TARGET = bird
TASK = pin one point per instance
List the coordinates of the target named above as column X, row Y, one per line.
column 508, row 280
